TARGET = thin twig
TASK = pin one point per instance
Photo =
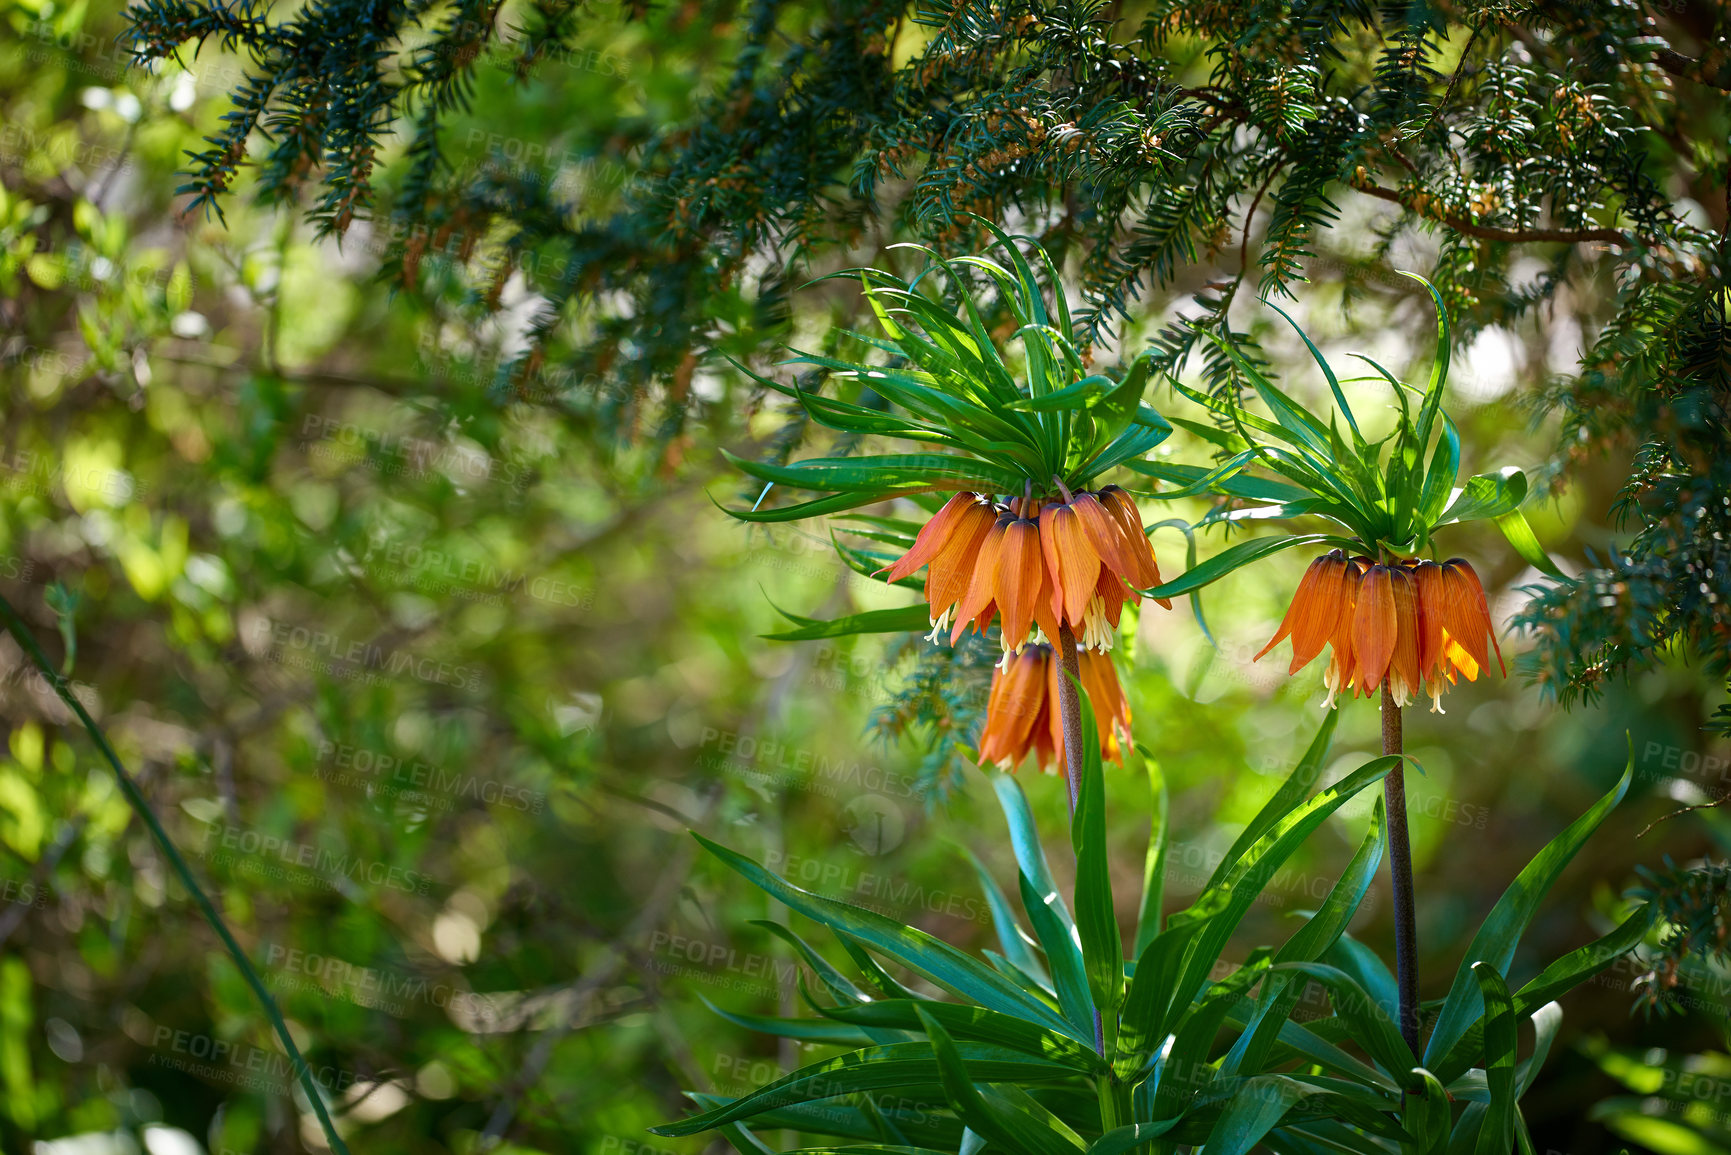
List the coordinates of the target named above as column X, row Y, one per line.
column 1486, row 232
column 141, row 807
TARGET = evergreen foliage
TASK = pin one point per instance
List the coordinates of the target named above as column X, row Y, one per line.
column 1135, row 144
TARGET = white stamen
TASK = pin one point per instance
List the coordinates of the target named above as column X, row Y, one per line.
column 941, row 625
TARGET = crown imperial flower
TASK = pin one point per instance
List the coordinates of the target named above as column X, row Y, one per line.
column 1023, row 716
column 1419, row 624
column 1073, row 562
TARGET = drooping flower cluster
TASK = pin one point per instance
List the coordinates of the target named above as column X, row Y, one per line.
column 1037, row 567
column 1416, row 623
column 1073, row 562
column 1023, row 715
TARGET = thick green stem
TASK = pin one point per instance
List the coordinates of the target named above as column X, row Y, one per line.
column 1400, row 871
column 135, row 797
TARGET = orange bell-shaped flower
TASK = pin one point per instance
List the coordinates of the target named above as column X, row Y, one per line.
column 1023, row 715
column 1073, row 563
column 1416, row 624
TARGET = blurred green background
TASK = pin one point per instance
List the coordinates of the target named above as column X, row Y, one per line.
column 431, row 688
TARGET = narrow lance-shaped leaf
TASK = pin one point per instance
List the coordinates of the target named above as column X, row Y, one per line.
column 1501, row 932
column 1256, row 1108
column 1233, row 558
column 870, row 1069
column 1319, row 932
column 1290, row 793
column 1520, row 535
column 898, row 620
column 1017, row 950
column 1233, row 895
column 1327, row 372
column 1497, row 1134
column 1063, row 956
column 1439, row 369
column 1006, row 1128
column 936, row 960
column 1150, row 916
column 1557, row 979
column 971, row 1023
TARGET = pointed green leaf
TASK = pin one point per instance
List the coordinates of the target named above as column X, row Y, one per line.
column 918, row 951
column 1497, row 1135
column 1327, row 372
column 1294, row 790
column 1373, row 1025
column 1561, row 976
column 1276, row 1000
column 870, row 1069
column 1232, row 896
column 972, row 1023
column 1233, row 558
column 834, row 503
column 1520, row 535
column 1009, row 1129
column 1487, row 495
column 1063, row 957
column 1017, row 950
column 916, row 618
column 1496, row 940
column 1256, row 1108
column 1439, row 369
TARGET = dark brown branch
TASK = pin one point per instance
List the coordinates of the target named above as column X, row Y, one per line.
column 1488, row 233
column 1689, row 68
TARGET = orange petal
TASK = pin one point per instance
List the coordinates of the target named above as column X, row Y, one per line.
column 1018, row 583
column 1403, row 667
column 1106, row 535
column 1374, row 628
column 1133, row 539
column 1431, row 597
column 1018, row 695
column 1315, row 611
column 983, row 582
column 1111, row 711
column 1044, row 615
column 948, row 574
column 933, row 535
column 1473, row 591
column 1072, row 562
column 1049, row 742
